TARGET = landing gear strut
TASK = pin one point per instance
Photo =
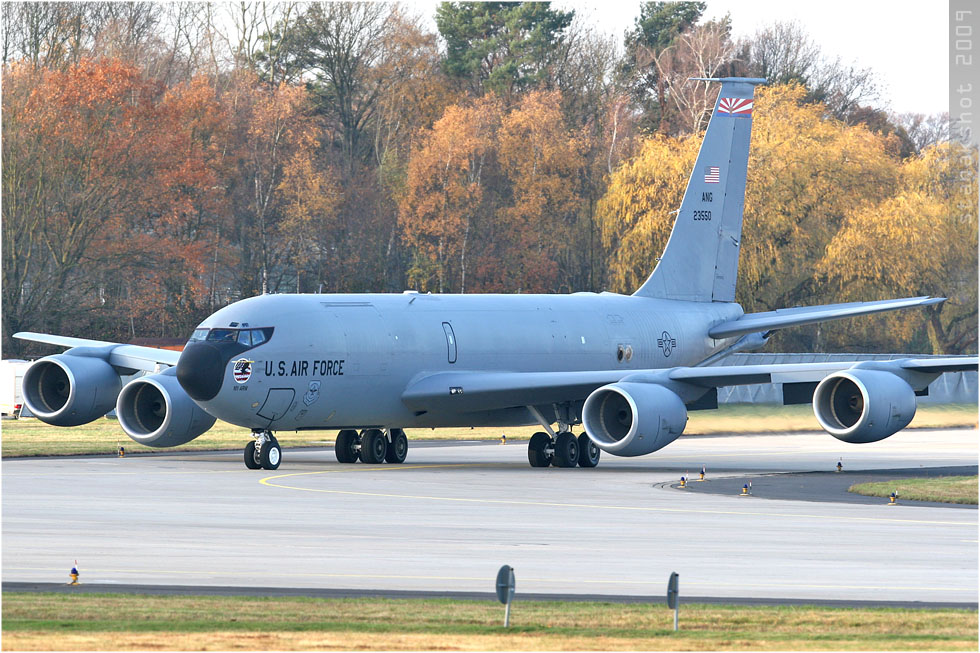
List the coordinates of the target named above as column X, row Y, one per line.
column 372, row 446
column 264, row 452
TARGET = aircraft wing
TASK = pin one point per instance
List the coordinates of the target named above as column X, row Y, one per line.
column 786, row 317
column 470, row 391
column 132, row 357
column 476, row 391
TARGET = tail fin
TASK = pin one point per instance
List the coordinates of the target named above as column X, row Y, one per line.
column 700, row 262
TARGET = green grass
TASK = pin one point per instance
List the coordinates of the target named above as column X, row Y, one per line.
column 947, row 489
column 31, row 437
column 57, row 621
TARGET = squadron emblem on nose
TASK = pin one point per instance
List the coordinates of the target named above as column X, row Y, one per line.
column 312, row 394
column 242, row 370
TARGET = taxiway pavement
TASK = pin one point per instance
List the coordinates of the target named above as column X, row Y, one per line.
column 451, row 515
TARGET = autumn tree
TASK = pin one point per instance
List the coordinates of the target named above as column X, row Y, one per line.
column 445, row 197
column 108, row 199
column 272, row 175
column 603, row 117
column 415, row 96
column 541, row 159
column 920, row 241
column 636, row 214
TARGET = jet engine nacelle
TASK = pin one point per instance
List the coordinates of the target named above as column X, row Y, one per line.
column 860, row 405
column 154, row 410
column 70, row 389
column 633, row 419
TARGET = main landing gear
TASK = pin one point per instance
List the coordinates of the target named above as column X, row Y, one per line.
column 564, row 450
column 264, row 452
column 372, row 446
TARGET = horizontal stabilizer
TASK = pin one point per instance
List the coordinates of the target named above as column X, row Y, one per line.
column 132, row 357
column 787, row 317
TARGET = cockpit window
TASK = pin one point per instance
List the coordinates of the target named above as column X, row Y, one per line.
column 199, row 335
column 223, row 335
column 248, row 337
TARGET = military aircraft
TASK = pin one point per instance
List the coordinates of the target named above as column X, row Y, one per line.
column 627, row 368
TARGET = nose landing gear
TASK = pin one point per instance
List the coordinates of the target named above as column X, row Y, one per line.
column 264, row 452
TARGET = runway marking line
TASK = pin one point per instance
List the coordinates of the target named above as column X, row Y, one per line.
column 551, row 504
column 483, row 579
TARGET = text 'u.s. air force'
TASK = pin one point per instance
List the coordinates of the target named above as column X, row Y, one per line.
column 305, row 368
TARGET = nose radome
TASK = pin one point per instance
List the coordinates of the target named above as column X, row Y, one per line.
column 201, row 368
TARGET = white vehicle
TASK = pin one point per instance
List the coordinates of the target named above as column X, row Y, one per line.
column 11, row 382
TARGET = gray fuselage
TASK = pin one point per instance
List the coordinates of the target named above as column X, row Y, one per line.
column 343, row 361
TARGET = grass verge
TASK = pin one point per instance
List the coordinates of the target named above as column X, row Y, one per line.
column 50, row 621
column 946, row 489
column 32, row 437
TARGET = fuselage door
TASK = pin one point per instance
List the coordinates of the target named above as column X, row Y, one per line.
column 277, row 403
column 450, row 341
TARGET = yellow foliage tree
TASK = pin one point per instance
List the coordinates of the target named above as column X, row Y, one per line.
column 921, row 241
column 806, row 172
column 813, row 183
column 635, row 215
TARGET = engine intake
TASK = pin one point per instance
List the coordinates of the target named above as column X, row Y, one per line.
column 70, row 389
column 633, row 419
column 156, row 411
column 861, row 405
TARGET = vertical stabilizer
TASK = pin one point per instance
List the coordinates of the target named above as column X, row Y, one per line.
column 700, row 262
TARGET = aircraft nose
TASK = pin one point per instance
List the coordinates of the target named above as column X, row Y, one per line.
column 201, row 367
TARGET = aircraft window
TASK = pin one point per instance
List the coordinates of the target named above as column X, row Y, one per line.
column 245, row 337
column 258, row 336
column 198, row 335
column 223, row 335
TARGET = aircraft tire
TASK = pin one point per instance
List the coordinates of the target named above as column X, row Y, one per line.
column 398, row 449
column 588, row 453
column 373, row 446
column 566, row 451
column 250, row 461
column 346, row 446
column 270, row 455
column 537, row 453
